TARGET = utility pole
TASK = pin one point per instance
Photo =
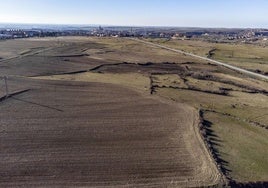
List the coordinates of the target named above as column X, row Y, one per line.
column 6, row 86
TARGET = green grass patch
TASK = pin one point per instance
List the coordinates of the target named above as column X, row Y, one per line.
column 244, row 146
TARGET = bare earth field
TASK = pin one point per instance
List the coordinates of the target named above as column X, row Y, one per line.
column 79, row 134
column 113, row 112
column 92, row 133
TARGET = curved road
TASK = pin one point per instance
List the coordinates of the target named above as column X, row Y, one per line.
column 263, row 77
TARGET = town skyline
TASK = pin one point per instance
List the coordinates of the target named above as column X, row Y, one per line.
column 171, row 13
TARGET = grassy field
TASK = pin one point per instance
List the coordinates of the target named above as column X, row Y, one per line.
column 235, row 119
column 249, row 161
column 249, row 56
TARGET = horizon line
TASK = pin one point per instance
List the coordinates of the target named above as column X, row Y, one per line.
column 114, row 25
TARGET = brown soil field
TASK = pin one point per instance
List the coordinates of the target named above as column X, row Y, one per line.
column 94, row 130
column 90, row 134
column 113, row 112
column 13, row 48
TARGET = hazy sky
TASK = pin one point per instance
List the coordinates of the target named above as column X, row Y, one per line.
column 195, row 13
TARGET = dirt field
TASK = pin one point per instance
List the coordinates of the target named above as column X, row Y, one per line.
column 114, row 112
column 92, row 134
column 95, row 129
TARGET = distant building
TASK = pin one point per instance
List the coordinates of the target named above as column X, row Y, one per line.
column 5, row 36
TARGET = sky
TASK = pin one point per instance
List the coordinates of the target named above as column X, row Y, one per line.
column 183, row 13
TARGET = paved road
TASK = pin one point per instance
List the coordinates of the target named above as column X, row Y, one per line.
column 260, row 76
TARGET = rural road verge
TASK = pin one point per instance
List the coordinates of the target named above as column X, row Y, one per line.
column 246, row 72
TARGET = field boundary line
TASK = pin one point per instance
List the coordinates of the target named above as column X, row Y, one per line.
column 210, row 150
column 13, row 94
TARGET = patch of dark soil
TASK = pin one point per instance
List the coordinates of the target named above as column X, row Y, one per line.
column 72, row 55
column 221, row 92
column 189, row 63
column 260, row 72
column 235, row 184
column 76, row 72
column 211, row 64
column 74, row 48
column 211, row 53
column 152, row 88
column 149, row 67
column 42, row 66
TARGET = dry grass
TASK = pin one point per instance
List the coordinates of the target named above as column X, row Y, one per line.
column 248, row 56
column 172, row 80
column 124, row 50
column 185, row 84
column 135, row 81
column 243, row 146
column 241, row 109
column 13, row 48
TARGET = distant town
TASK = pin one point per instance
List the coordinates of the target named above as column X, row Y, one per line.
column 213, row 35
